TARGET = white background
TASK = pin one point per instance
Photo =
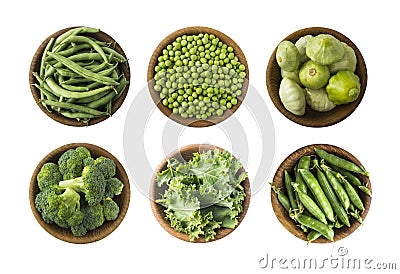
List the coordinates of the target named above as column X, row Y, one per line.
column 139, row 243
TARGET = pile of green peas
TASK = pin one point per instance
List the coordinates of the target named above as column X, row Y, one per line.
column 198, row 76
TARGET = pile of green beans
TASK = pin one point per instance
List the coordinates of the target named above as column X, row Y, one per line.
column 323, row 194
column 198, row 76
column 79, row 76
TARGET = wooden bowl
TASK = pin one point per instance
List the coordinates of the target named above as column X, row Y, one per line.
column 109, row 226
column 288, row 164
column 193, row 122
column 313, row 118
column 35, row 65
column 185, row 154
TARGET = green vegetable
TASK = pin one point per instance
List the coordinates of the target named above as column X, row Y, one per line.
column 314, row 75
column 301, row 44
column 318, row 193
column 337, row 187
column 292, row 75
column 49, row 175
column 92, row 183
column 330, row 194
column 110, row 208
column 310, row 205
column 82, row 202
column 343, row 87
column 324, row 49
column 282, row 198
column 340, row 162
column 318, row 100
column 80, row 77
column 353, row 195
column 314, row 224
column 287, row 56
column 290, row 190
column 348, row 62
column 292, row 96
column 203, row 194
column 199, row 76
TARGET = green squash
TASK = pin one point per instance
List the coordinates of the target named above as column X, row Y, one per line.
column 343, row 87
column 287, row 56
column 313, row 75
column 324, row 49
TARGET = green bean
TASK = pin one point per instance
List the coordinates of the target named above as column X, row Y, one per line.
column 289, row 189
column 340, row 162
column 314, row 224
column 337, row 187
column 97, row 67
column 115, row 53
column 74, row 49
column 74, row 88
column 351, row 192
column 84, row 39
column 84, row 56
column 92, row 98
column 282, row 198
column 329, row 192
column 74, row 107
column 82, row 71
column 319, row 195
column 59, row 91
column 101, row 101
column 74, row 31
column 79, row 115
column 47, row 93
column 310, row 205
column 77, row 80
column 66, row 72
column 43, row 59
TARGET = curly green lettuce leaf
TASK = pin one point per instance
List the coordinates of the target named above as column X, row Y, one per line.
column 203, row 194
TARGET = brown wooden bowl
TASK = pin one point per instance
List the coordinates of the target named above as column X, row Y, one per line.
column 35, row 65
column 186, row 154
column 288, row 164
column 313, row 118
column 109, row 226
column 193, row 122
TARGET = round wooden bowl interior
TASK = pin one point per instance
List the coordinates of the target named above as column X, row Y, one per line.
column 186, row 154
column 193, row 122
column 109, row 226
column 311, row 117
column 35, row 65
column 288, row 164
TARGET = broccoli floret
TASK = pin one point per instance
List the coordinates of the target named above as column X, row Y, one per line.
column 59, row 206
column 91, row 183
column 93, row 216
column 113, row 187
column 79, row 230
column 106, row 165
column 70, row 162
column 111, row 209
column 88, row 161
column 48, row 176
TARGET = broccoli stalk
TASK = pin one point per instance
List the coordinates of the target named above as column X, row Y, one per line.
column 91, row 183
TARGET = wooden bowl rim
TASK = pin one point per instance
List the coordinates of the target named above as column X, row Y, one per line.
column 158, row 210
column 193, row 122
column 313, row 118
column 109, row 226
column 288, row 164
column 35, row 64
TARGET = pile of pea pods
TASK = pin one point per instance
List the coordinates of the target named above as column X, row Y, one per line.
column 324, row 193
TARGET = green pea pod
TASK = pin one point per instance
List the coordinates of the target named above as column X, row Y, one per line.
column 326, row 187
column 337, row 187
column 314, row 224
column 313, row 235
column 319, row 194
column 282, row 198
column 289, row 190
column 351, row 191
column 340, row 162
column 310, row 205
